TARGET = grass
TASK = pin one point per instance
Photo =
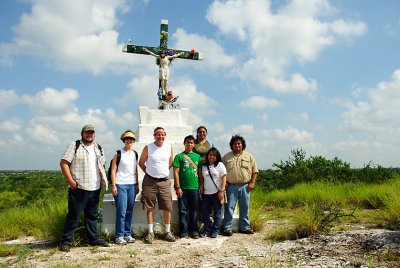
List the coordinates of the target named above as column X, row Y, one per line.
column 301, row 211
column 44, row 222
column 309, row 207
column 9, row 250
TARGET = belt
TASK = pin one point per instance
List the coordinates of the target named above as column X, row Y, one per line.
column 157, row 179
column 238, row 184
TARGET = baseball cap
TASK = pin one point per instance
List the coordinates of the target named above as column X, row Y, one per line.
column 87, row 128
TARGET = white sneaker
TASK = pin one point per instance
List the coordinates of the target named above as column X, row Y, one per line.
column 129, row 239
column 120, row 241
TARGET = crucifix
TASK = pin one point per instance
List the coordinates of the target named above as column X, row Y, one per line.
column 164, row 56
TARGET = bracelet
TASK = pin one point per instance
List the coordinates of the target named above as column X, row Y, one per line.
column 176, row 188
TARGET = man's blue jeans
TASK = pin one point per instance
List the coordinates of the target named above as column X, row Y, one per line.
column 211, row 203
column 124, row 202
column 81, row 200
column 188, row 212
column 237, row 194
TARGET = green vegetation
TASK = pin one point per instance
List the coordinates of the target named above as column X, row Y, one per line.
column 299, row 169
column 313, row 195
column 317, row 206
column 305, row 195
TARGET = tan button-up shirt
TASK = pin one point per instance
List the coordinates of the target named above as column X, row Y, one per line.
column 239, row 167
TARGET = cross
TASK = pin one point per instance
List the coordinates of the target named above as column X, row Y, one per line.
column 163, row 49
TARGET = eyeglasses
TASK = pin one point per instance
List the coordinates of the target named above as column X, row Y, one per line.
column 129, row 139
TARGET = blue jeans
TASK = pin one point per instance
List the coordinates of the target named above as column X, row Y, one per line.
column 124, row 202
column 237, row 194
column 211, row 203
column 188, row 206
column 81, row 200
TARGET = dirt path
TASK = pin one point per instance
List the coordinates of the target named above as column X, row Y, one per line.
column 345, row 249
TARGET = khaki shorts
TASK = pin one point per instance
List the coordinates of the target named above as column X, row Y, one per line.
column 153, row 191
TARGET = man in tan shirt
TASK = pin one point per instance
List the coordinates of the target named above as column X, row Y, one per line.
column 241, row 178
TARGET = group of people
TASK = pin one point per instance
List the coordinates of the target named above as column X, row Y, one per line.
column 203, row 180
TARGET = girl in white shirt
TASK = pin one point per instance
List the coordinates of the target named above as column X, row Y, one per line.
column 213, row 182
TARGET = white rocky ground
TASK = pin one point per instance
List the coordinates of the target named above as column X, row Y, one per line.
column 357, row 248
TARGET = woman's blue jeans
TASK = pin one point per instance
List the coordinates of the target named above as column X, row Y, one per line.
column 211, row 203
column 237, row 194
column 124, row 202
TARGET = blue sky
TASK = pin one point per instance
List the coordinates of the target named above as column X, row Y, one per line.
column 319, row 75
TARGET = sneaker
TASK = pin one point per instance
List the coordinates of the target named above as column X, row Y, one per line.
column 228, row 233
column 100, row 243
column 204, row 234
column 129, row 239
column 149, row 238
column 214, row 235
column 248, row 231
column 195, row 236
column 65, row 247
column 169, row 237
column 120, row 241
column 184, row 235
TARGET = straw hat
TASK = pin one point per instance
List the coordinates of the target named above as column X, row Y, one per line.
column 128, row 134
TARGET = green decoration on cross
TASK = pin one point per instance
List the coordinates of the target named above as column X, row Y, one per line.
column 164, row 56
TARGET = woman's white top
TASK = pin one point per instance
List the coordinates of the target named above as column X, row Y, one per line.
column 217, row 173
column 126, row 170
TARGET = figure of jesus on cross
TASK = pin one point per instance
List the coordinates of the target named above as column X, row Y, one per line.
column 164, row 60
column 164, row 56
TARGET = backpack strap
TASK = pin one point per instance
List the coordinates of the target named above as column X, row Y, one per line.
column 78, row 143
column 118, row 157
column 100, row 148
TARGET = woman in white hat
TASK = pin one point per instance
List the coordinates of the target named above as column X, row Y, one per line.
column 125, row 186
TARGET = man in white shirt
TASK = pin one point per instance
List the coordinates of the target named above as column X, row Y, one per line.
column 83, row 165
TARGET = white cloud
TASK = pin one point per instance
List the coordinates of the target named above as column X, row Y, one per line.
column 302, row 117
column 126, row 119
column 292, row 138
column 53, row 102
column 372, row 124
column 55, row 121
column 216, row 57
column 8, row 98
column 347, row 28
column 294, row 135
column 11, row 125
column 379, row 113
column 43, row 134
column 244, row 129
column 218, row 127
column 190, row 97
column 293, row 33
column 142, row 90
column 259, row 102
column 76, row 35
column 18, row 138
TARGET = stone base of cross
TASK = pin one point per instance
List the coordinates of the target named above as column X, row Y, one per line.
column 164, row 57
